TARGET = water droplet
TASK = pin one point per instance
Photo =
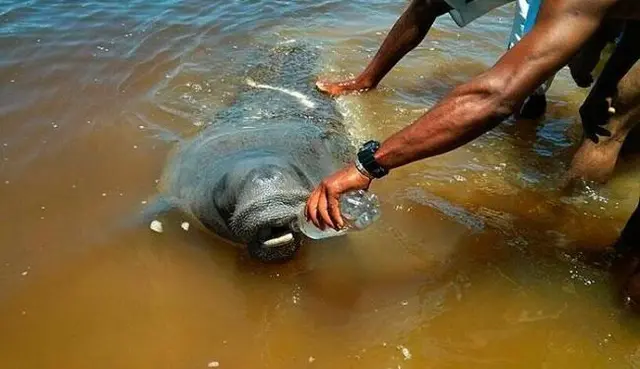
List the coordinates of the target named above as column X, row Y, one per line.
column 141, row 126
column 311, row 359
column 104, row 194
column 213, row 364
column 25, row 273
column 185, row 226
column 135, row 146
column 143, row 202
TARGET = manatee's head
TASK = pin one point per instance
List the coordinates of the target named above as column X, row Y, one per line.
column 258, row 199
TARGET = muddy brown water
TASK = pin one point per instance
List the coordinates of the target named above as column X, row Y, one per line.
column 476, row 261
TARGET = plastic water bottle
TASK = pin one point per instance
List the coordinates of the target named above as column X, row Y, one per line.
column 359, row 210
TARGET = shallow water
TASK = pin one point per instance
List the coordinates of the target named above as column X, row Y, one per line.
column 475, row 262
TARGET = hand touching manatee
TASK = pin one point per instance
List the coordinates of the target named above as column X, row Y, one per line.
column 323, row 206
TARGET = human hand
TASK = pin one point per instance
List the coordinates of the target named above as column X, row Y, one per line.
column 323, row 206
column 595, row 113
column 343, row 87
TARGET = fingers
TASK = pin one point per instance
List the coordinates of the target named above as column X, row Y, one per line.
column 321, row 85
column 334, row 212
column 601, row 131
column 596, row 113
column 324, row 211
column 312, row 208
column 323, row 205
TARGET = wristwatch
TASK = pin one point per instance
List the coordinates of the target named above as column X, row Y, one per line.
column 367, row 164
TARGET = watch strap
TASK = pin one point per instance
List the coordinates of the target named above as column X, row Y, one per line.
column 368, row 162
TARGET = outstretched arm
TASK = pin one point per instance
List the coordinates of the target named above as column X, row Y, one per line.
column 475, row 107
column 408, row 31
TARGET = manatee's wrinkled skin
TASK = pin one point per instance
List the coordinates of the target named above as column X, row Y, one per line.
column 248, row 174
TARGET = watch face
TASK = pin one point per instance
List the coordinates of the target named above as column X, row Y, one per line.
column 371, row 145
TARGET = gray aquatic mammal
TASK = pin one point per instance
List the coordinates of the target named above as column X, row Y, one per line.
column 247, row 175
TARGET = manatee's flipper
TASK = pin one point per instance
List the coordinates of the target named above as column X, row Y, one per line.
column 155, row 207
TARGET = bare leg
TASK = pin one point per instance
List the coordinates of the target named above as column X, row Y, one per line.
column 596, row 161
column 626, row 269
column 408, row 31
column 618, row 83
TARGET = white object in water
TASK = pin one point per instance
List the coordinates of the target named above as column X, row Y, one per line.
column 213, row 364
column 405, row 352
column 304, row 100
column 185, row 226
column 156, row 226
column 282, row 240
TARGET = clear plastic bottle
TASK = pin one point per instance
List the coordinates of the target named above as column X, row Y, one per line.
column 359, row 210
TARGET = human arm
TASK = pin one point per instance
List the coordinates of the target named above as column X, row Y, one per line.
column 477, row 106
column 407, row 33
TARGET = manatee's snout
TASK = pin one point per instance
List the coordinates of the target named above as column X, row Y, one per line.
column 271, row 199
column 275, row 241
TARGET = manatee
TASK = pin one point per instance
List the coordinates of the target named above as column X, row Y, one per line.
column 247, row 175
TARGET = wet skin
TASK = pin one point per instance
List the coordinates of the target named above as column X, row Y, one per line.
column 471, row 109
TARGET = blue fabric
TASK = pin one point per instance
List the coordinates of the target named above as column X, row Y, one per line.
column 532, row 14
